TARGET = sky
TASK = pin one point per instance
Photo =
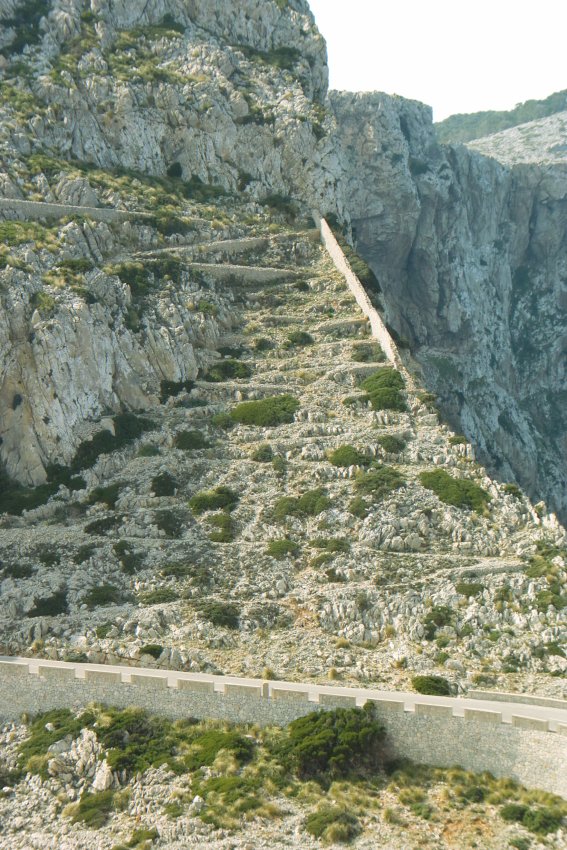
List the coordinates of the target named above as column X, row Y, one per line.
column 455, row 55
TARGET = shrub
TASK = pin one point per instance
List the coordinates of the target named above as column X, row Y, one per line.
column 50, row 606
column 311, row 503
column 280, row 549
column 102, row 525
column 379, row 482
column 348, row 456
column 263, row 454
column 164, row 484
column 171, row 523
column 153, row 649
column 221, row 614
column 263, row 344
column 431, row 685
column 107, row 495
column 333, row 824
column 460, row 492
column 345, row 741
column 387, row 377
column 129, row 561
column 214, row 500
column 223, row 420
column 437, row 617
column 267, row 412
column 94, row 809
column 104, row 594
column 513, row 490
column 300, row 338
column 226, row 370
column 225, row 529
column 159, row 596
column 208, row 745
column 367, row 352
column 173, row 388
column 391, row 444
column 457, row 440
column 331, row 544
column 387, row 398
column 188, row 440
column 469, row 588
column 149, row 450
column 358, row 507
column 18, row 571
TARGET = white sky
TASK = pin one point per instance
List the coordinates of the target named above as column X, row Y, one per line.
column 455, row 55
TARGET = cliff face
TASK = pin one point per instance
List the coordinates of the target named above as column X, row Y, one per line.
column 471, row 255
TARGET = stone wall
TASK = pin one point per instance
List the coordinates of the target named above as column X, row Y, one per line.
column 432, row 730
column 379, row 330
column 15, row 208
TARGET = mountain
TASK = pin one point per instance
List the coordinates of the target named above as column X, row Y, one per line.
column 464, row 128
column 210, row 465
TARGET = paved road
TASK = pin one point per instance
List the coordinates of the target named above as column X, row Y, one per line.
column 554, row 715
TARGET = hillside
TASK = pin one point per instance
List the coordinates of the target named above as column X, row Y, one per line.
column 461, row 128
column 210, row 465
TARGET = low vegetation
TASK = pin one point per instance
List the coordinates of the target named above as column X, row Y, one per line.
column 460, row 492
column 267, row 412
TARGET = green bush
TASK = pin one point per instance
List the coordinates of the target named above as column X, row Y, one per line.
column 513, row 490
column 311, row 503
column 431, row 685
column 280, row 549
column 299, row 338
column 386, row 377
column 102, row 525
column 221, row 614
column 436, row 618
column 107, row 495
column 457, row 440
column 127, row 427
column 94, row 810
column 263, row 344
column 379, row 482
column 189, row 440
column 331, row 544
column 334, row 744
column 263, row 454
column 226, row 370
column 174, row 388
column 333, row 825
column 214, row 500
column 149, row 450
column 541, row 820
column 104, row 594
column 164, row 484
column 358, row 507
column 223, row 420
column 391, row 444
column 267, row 412
column 153, row 649
column 172, row 523
column 18, row 571
column 50, row 606
column 367, row 352
column 159, row 596
column 387, row 398
column 225, row 529
column 469, row 588
column 207, row 746
column 460, row 492
column 348, row 456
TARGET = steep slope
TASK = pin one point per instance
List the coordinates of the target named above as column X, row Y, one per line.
column 472, row 259
column 543, row 142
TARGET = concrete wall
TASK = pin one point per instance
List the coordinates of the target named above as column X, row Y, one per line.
column 428, row 730
column 523, row 699
column 379, row 330
column 14, row 208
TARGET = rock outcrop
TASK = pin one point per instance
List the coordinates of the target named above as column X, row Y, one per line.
column 472, row 259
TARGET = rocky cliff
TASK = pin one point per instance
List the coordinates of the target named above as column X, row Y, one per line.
column 471, row 254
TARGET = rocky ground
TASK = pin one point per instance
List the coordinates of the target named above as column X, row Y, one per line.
column 379, row 588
